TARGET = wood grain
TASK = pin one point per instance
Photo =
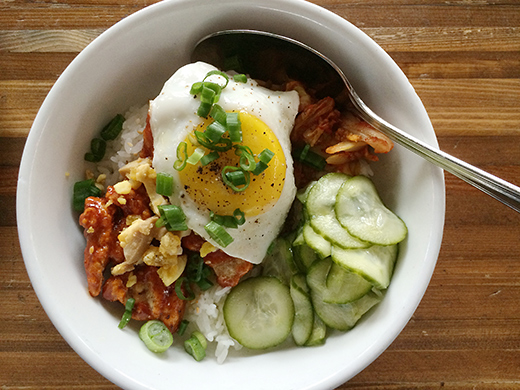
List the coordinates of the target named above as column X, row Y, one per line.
column 463, row 59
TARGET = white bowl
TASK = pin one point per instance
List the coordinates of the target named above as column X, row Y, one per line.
column 127, row 65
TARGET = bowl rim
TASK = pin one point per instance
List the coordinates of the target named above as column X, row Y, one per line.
column 23, row 219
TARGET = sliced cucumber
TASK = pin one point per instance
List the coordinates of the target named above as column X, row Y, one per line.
column 303, row 311
column 343, row 316
column 259, row 312
column 318, row 334
column 360, row 210
column 316, row 241
column 375, row 264
column 279, row 262
column 320, row 205
column 302, row 194
column 304, row 257
column 334, row 284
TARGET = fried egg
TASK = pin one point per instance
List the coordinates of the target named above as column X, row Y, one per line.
column 267, row 118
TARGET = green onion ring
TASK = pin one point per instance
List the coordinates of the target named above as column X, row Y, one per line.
column 182, row 156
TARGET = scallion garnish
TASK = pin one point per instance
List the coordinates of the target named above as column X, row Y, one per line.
column 235, row 178
column 247, row 160
column 208, row 158
column 234, row 126
column 172, row 217
column 217, row 73
column 218, row 113
column 218, row 234
column 223, row 145
column 204, row 109
column 82, row 190
column 265, row 156
column 260, row 167
column 164, row 184
column 156, row 336
column 182, row 284
column 182, row 327
column 307, row 156
column 195, row 157
column 239, row 216
column 240, row 78
column 182, row 156
column 127, row 315
column 98, row 147
column 214, row 131
column 196, row 346
column 113, row 128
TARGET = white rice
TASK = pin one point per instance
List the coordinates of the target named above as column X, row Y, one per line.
column 125, row 147
column 205, row 313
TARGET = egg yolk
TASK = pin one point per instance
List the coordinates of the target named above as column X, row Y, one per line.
column 204, row 183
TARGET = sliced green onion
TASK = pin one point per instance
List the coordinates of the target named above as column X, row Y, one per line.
column 218, row 113
column 195, row 157
column 164, row 184
column 247, row 160
column 156, row 336
column 201, row 338
column 196, row 88
column 227, row 221
column 98, row 147
column 260, row 167
column 196, row 346
column 82, row 190
column 266, row 156
column 235, row 177
column 207, row 94
column 180, row 293
column 214, row 131
column 234, row 126
column 204, row 109
column 172, row 217
column 127, row 315
column 304, row 152
column 208, row 158
column 194, row 267
column 239, row 216
column 218, row 234
column 204, row 284
column 182, row 156
column 223, row 145
column 113, row 128
column 240, row 78
column 310, row 158
column 217, row 73
column 182, row 327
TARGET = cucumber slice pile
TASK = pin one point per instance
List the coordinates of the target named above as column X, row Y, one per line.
column 329, row 276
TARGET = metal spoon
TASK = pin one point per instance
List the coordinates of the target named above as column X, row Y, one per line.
column 247, row 49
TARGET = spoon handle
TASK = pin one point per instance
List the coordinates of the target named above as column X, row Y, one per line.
column 499, row 189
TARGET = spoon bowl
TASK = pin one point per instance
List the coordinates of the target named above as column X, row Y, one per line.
column 246, row 51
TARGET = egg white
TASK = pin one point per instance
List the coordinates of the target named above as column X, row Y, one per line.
column 173, row 116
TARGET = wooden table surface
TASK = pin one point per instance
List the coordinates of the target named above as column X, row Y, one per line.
column 463, row 58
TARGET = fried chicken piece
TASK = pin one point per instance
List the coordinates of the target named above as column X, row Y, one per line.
column 103, row 219
column 228, row 269
column 98, row 221
column 153, row 300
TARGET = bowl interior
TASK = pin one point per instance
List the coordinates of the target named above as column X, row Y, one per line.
column 127, row 66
